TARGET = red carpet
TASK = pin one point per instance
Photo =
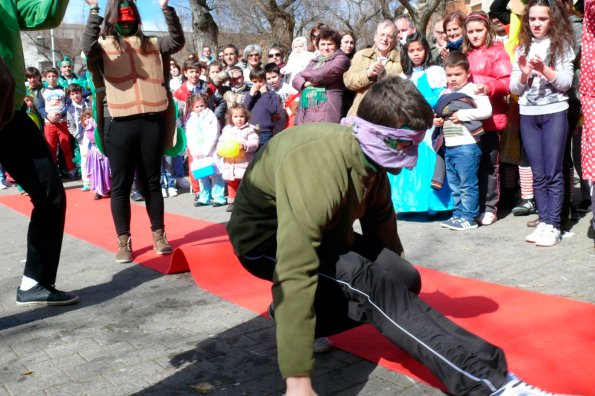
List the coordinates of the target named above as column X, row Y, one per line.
column 549, row 341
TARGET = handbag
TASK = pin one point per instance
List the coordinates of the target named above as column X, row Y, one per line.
column 203, row 167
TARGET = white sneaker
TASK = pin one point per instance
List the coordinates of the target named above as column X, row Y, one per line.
column 549, row 237
column 518, row 387
column 486, row 219
column 172, row 192
column 322, row 344
column 3, row 186
column 533, row 236
column 182, row 182
column 164, row 192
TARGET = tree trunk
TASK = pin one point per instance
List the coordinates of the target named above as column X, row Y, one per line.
column 205, row 28
column 281, row 21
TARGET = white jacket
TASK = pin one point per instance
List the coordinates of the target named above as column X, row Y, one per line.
column 202, row 134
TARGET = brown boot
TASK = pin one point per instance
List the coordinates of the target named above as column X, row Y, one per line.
column 124, row 254
column 533, row 223
column 160, row 242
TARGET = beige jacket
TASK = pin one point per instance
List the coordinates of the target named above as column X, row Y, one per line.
column 356, row 78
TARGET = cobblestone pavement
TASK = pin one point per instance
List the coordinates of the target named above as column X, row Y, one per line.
column 138, row 332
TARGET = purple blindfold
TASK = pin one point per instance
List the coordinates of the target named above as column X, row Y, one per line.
column 391, row 148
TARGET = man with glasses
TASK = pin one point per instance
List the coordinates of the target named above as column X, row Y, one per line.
column 439, row 42
column 373, row 64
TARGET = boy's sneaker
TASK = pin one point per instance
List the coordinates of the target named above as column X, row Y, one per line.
column 172, row 192
column 42, row 295
column 486, row 219
column 518, row 387
column 524, row 207
column 85, row 187
column 450, row 223
column 464, row 225
column 548, row 237
column 534, row 235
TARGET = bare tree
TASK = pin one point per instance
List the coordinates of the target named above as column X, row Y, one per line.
column 65, row 42
column 205, row 29
column 420, row 12
column 280, row 18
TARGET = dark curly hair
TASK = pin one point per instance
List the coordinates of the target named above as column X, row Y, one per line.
column 560, row 31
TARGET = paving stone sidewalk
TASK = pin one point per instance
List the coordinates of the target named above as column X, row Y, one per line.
column 138, row 332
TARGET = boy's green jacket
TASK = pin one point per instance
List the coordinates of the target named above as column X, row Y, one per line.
column 17, row 15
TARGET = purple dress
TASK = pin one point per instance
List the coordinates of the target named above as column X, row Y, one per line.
column 100, row 178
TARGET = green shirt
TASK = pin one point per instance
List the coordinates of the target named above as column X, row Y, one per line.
column 306, row 188
column 17, row 15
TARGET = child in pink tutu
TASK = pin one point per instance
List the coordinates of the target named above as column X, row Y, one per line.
column 100, row 179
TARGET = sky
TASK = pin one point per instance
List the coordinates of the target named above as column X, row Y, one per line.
column 150, row 12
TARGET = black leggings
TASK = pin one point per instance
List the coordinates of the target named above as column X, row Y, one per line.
column 135, row 143
column 372, row 284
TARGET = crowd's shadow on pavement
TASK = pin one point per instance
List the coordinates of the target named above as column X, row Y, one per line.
column 243, row 361
column 120, row 283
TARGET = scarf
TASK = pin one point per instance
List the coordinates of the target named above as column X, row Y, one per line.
column 453, row 46
column 312, row 96
column 390, row 148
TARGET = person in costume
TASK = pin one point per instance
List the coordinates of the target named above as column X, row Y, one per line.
column 25, row 155
column 587, row 90
column 292, row 224
column 68, row 76
column 412, row 189
column 141, row 111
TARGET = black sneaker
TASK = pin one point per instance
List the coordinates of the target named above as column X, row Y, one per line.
column 41, row 295
column 524, row 208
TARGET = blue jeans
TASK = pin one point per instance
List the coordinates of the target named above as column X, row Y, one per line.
column 462, row 164
column 544, row 139
column 212, row 187
column 264, row 137
column 171, row 169
column 168, row 179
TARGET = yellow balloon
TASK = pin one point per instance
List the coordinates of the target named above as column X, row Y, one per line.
column 229, row 149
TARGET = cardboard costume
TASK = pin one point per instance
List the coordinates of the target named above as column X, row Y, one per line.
column 113, row 75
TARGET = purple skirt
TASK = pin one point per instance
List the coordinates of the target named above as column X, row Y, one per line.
column 100, row 178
